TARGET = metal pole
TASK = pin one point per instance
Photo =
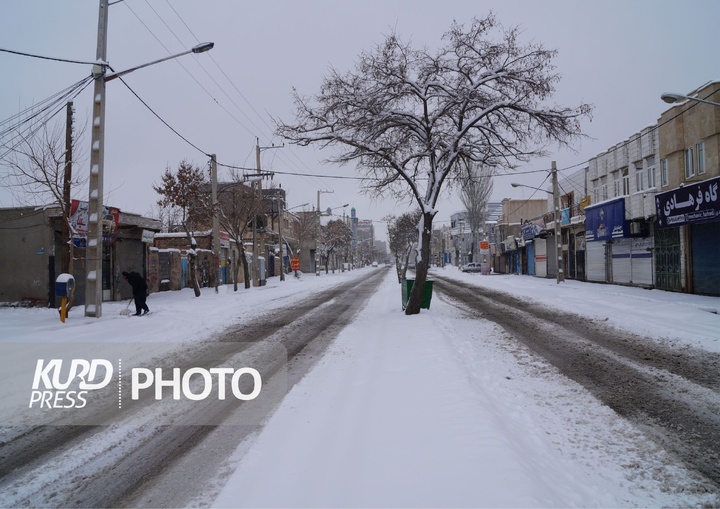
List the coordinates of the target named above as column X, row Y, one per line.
column 67, row 255
column 216, row 220
column 94, row 247
column 556, row 207
column 257, row 210
column 282, row 244
column 317, row 232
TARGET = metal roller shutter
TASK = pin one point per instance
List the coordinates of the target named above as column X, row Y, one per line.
column 595, row 261
column 705, row 260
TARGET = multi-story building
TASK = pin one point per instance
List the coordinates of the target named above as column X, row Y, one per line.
column 518, row 251
column 687, row 206
column 364, row 242
column 654, row 220
column 619, row 233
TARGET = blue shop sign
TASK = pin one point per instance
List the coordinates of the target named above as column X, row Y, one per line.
column 605, row 221
column 530, row 231
column 696, row 203
column 565, row 216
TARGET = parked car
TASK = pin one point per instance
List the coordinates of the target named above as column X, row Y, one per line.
column 472, row 267
column 374, row 264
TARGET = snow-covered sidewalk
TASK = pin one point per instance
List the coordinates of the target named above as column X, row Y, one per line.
column 439, row 410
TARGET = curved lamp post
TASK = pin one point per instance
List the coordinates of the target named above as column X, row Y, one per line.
column 671, row 98
column 94, row 247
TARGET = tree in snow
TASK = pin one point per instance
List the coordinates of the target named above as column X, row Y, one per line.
column 239, row 206
column 402, row 239
column 413, row 120
column 39, row 171
column 335, row 237
column 474, row 195
column 186, row 190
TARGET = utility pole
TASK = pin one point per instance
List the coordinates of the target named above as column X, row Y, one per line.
column 67, row 264
column 282, row 244
column 258, row 197
column 258, row 148
column 558, row 239
column 216, row 219
column 317, row 232
column 94, row 247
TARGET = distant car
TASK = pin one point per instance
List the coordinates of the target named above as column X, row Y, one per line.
column 374, row 264
column 472, row 267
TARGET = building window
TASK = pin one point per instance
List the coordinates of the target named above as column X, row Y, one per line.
column 700, row 157
column 596, row 191
column 650, row 163
column 616, row 184
column 651, row 177
column 639, row 180
column 663, row 173
column 690, row 162
column 626, row 182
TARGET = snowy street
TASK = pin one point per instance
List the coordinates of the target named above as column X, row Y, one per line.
column 445, row 408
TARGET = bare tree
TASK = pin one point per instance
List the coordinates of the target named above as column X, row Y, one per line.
column 39, row 166
column 402, row 237
column 169, row 217
column 413, row 121
column 474, row 194
column 239, row 206
column 334, row 236
column 187, row 191
column 305, row 229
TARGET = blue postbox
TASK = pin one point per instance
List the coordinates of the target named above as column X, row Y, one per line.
column 64, row 285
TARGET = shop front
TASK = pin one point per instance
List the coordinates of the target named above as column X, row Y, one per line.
column 688, row 221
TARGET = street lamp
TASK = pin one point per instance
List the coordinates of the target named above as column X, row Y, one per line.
column 556, row 218
column 329, row 210
column 673, row 98
column 200, row 48
column 94, row 247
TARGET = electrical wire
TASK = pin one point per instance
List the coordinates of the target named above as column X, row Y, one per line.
column 163, row 120
column 27, row 123
column 68, row 61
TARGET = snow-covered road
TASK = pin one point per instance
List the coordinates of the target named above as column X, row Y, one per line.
column 441, row 409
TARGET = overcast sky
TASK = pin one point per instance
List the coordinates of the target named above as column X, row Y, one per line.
column 617, row 55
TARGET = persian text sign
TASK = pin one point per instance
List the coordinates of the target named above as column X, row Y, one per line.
column 694, row 203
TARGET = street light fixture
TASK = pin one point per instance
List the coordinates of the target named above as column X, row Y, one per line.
column 200, row 48
column 671, row 98
column 94, row 247
column 329, row 213
column 556, row 218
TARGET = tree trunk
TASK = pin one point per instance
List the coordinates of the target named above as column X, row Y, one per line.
column 193, row 273
column 236, row 272
column 472, row 247
column 246, row 269
column 421, row 268
column 403, row 273
column 192, row 262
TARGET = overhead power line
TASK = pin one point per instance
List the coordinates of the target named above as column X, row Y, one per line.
column 68, row 61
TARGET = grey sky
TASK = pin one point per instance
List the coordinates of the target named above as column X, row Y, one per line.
column 617, row 55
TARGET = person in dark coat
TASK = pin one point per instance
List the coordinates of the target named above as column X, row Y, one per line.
column 139, row 289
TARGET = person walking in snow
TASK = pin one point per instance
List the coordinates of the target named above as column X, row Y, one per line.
column 139, row 289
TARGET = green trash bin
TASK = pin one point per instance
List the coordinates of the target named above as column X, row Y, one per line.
column 407, row 285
